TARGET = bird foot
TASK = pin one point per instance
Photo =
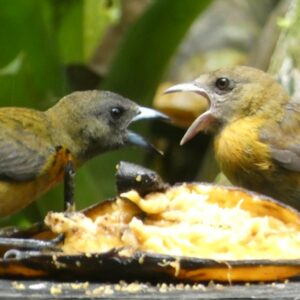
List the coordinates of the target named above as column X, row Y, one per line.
column 24, row 247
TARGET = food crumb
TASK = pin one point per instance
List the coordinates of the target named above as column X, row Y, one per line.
column 85, row 285
column 132, row 287
column 138, row 178
column 211, row 284
column 78, row 263
column 219, row 286
column 57, row 263
column 141, row 259
column 179, row 286
column 176, row 265
column 76, row 286
column 199, row 287
column 280, row 285
column 105, row 290
column 126, row 252
column 56, row 289
column 163, row 288
column 18, row 285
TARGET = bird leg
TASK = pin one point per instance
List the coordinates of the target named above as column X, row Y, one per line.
column 69, row 187
column 24, row 244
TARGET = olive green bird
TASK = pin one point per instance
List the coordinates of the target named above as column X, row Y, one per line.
column 36, row 146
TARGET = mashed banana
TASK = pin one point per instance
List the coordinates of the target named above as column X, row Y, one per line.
column 185, row 220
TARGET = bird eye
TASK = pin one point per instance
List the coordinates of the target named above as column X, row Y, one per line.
column 116, row 112
column 223, row 83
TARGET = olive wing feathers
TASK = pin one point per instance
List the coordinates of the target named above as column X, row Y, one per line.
column 283, row 140
column 286, row 158
column 25, row 145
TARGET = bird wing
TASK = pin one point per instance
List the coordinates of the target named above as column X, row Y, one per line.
column 282, row 139
column 286, row 158
column 25, row 144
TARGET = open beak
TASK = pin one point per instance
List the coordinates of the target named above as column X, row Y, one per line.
column 149, row 113
column 205, row 119
column 135, row 139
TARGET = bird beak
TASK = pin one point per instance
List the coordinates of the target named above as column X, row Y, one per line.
column 149, row 113
column 205, row 119
column 135, row 139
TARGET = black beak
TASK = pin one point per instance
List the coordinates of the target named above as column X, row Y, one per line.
column 135, row 139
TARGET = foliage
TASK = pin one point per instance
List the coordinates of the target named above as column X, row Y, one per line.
column 40, row 39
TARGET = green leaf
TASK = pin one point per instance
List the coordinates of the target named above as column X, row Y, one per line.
column 68, row 23
column 13, row 67
column 39, row 76
column 80, row 25
column 148, row 47
column 97, row 16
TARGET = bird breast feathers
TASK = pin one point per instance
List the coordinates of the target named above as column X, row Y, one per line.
column 235, row 150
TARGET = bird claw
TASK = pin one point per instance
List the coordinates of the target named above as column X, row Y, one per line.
column 15, row 254
column 23, row 246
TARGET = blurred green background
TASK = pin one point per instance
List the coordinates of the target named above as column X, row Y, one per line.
column 50, row 48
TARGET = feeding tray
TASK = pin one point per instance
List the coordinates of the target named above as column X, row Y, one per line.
column 190, row 232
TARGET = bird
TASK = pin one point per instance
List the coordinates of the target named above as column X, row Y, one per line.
column 256, row 128
column 36, row 146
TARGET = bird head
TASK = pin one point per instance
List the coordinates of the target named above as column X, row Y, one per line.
column 98, row 121
column 233, row 93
